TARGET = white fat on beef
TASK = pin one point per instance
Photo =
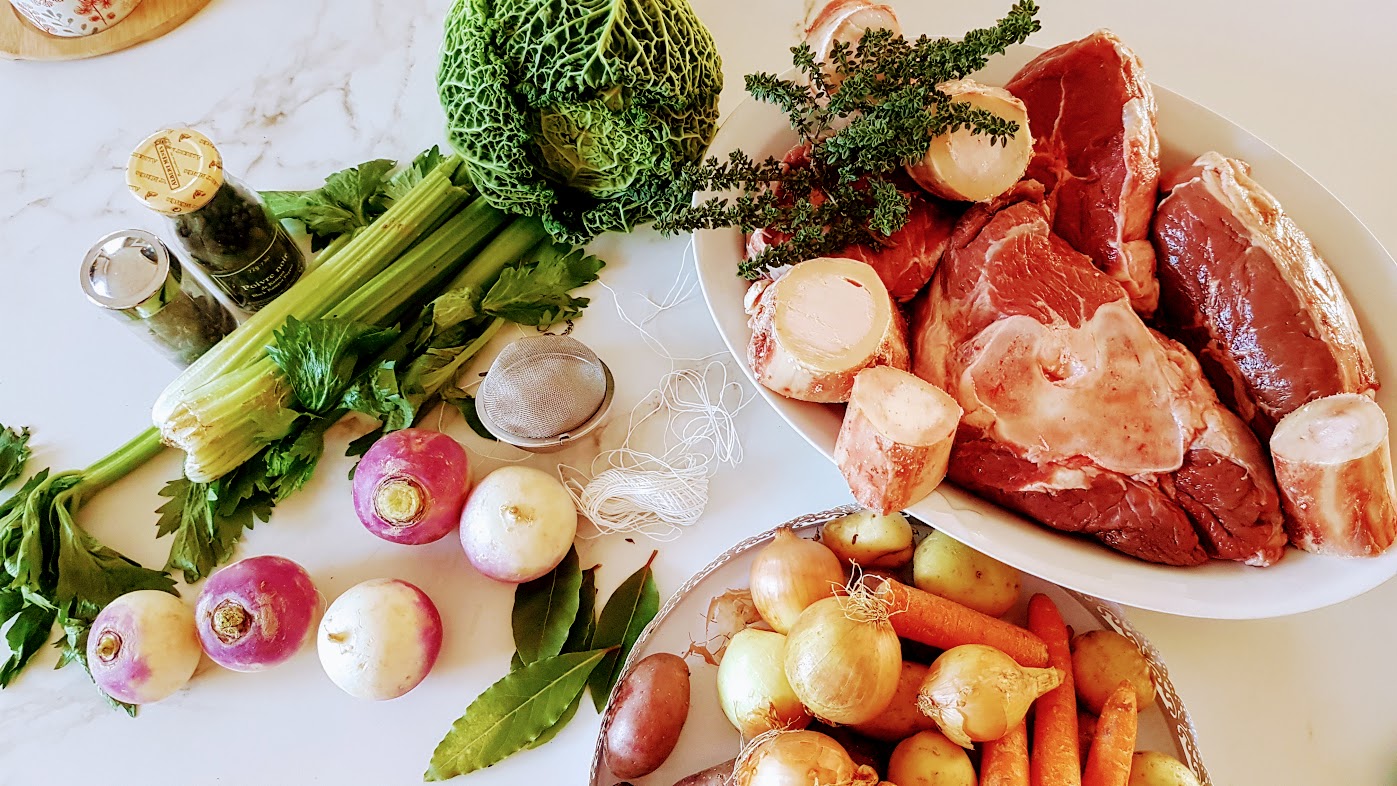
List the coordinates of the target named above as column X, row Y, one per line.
column 1334, row 469
column 1047, row 388
column 895, row 442
column 819, row 325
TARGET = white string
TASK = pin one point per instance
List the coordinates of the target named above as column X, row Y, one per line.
column 658, row 493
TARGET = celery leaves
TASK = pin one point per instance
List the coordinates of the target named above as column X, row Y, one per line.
column 206, row 528
column 539, row 294
column 27, row 633
column 401, row 183
column 320, row 356
column 14, row 452
column 350, row 199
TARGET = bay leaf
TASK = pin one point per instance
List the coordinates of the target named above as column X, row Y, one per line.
column 579, row 639
column 512, row 713
column 584, row 626
column 553, row 731
column 625, row 615
column 544, row 610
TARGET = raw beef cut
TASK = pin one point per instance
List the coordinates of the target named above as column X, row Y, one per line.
column 1076, row 413
column 906, row 260
column 1242, row 286
column 1096, row 151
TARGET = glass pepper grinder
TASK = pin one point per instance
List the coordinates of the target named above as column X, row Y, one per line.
column 133, row 276
column 222, row 224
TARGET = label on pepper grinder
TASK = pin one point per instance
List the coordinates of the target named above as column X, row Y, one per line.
column 265, row 277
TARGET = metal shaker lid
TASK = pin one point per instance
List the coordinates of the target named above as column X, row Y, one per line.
column 125, row 269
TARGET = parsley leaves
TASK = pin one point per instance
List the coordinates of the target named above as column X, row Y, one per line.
column 14, row 452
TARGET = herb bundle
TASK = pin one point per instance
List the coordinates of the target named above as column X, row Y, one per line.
column 862, row 117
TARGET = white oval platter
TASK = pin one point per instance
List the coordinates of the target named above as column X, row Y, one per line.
column 1223, row 590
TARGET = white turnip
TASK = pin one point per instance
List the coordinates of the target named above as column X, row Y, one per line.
column 142, row 647
column 518, row 524
column 411, row 485
column 379, row 639
column 256, row 613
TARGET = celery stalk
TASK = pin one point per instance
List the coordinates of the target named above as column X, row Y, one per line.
column 371, row 250
column 228, row 420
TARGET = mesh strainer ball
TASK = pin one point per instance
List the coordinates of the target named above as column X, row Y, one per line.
column 544, row 390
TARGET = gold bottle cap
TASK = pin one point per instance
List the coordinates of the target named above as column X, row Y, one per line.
column 175, row 171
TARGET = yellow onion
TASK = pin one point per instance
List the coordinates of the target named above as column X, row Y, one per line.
column 789, row 574
column 752, row 686
column 843, row 659
column 976, row 693
column 799, row 758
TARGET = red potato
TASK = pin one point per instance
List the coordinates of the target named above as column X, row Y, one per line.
column 652, row 703
column 895, row 442
column 816, row 327
column 1334, row 471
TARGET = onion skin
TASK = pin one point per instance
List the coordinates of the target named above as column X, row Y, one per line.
column 844, row 671
column 798, row 758
column 902, row 718
column 789, row 574
column 977, row 693
column 411, row 485
column 752, row 686
column 142, row 647
column 256, row 613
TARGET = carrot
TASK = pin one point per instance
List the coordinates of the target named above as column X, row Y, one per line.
column 1056, row 760
column 1108, row 763
column 1004, row 762
column 934, row 620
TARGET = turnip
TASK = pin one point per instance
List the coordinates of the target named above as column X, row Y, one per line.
column 256, row 613
column 518, row 524
column 379, row 639
column 410, row 487
column 142, row 647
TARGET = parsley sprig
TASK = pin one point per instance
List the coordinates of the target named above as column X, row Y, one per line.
column 870, row 115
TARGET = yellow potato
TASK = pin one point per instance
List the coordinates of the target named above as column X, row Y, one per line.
column 944, row 566
column 902, row 718
column 869, row 540
column 929, row 759
column 1100, row 660
column 1152, row 768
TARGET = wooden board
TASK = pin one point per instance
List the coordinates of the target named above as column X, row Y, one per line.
column 20, row 40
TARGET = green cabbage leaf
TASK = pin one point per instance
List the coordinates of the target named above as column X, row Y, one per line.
column 579, row 111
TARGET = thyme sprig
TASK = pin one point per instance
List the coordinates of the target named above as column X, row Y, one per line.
column 862, row 119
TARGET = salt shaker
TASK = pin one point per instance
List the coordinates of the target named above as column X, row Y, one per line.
column 134, row 277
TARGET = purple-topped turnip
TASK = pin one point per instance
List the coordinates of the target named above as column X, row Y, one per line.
column 256, row 613
column 518, row 524
column 410, row 487
column 142, row 647
column 379, row 639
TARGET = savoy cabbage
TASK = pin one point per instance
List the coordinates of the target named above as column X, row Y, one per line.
column 579, row 111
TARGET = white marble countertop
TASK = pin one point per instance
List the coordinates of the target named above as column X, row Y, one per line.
column 292, row 91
